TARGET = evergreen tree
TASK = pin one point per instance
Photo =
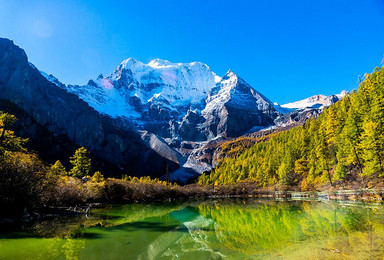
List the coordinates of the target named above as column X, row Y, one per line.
column 8, row 140
column 57, row 169
column 81, row 163
column 301, row 167
column 372, row 154
column 98, row 177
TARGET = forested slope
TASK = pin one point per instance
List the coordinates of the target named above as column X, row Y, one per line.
column 345, row 140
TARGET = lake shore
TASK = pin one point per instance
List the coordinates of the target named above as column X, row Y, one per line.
column 364, row 195
column 199, row 192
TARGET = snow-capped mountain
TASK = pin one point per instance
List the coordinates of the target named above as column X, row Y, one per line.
column 132, row 84
column 296, row 113
column 187, row 105
column 177, row 104
column 185, row 101
column 317, row 101
column 177, row 83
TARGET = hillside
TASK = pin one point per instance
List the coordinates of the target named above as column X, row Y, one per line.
column 344, row 143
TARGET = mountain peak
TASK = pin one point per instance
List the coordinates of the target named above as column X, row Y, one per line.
column 230, row 73
column 316, row 101
column 342, row 94
column 159, row 63
column 231, row 76
column 129, row 62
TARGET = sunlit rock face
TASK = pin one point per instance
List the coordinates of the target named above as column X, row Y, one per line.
column 185, row 101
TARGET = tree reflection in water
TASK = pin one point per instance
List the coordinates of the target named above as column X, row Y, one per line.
column 234, row 229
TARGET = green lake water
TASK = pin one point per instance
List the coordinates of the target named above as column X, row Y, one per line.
column 213, row 229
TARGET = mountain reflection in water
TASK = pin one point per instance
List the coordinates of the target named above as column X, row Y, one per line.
column 212, row 229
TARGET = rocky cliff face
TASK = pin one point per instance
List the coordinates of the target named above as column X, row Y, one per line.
column 64, row 113
column 234, row 107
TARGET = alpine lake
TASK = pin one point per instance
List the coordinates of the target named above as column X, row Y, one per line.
column 208, row 229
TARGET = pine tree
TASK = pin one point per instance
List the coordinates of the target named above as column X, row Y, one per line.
column 5, row 121
column 81, row 163
column 372, row 154
column 301, row 167
column 340, row 171
column 57, row 169
column 8, row 140
column 98, row 177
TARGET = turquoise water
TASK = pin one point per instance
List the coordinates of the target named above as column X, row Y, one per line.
column 221, row 229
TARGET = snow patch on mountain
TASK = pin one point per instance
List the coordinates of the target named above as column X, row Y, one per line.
column 103, row 97
column 221, row 93
column 134, row 86
column 50, row 77
column 317, row 101
column 282, row 110
column 235, row 90
column 176, row 83
column 342, row 94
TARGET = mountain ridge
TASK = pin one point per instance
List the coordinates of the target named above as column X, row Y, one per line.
column 160, row 92
column 141, row 117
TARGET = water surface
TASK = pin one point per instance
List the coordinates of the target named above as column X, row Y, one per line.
column 214, row 229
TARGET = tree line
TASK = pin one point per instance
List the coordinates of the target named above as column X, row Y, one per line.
column 27, row 182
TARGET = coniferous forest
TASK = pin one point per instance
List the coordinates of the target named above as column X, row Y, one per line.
column 346, row 141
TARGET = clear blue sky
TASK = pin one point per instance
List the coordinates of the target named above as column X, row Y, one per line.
column 286, row 49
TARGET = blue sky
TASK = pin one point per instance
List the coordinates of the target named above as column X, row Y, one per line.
column 286, row 49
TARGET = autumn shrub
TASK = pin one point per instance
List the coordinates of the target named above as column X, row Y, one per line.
column 95, row 191
column 22, row 183
column 118, row 190
column 68, row 191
